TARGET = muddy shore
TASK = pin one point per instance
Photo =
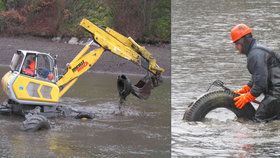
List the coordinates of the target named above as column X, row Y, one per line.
column 108, row 63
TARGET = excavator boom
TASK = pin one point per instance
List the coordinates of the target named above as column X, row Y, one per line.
column 122, row 46
column 127, row 48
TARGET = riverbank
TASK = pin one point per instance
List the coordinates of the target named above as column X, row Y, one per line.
column 108, row 63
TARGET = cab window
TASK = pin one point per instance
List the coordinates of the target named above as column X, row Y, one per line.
column 16, row 61
column 29, row 65
column 45, row 67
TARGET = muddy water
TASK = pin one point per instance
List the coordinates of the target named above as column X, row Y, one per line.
column 202, row 53
column 143, row 130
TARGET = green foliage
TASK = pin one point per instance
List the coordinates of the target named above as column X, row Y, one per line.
column 2, row 5
column 93, row 10
column 161, row 21
column 146, row 20
column 2, row 21
column 2, row 24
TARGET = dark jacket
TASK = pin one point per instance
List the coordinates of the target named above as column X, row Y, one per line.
column 265, row 70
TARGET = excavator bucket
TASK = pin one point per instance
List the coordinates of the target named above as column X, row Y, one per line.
column 141, row 90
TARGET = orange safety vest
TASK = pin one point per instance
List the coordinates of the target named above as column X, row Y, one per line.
column 31, row 68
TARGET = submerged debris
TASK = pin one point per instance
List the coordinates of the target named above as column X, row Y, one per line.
column 141, row 90
column 84, row 115
column 124, row 87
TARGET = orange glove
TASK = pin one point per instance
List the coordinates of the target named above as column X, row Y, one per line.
column 243, row 90
column 243, row 99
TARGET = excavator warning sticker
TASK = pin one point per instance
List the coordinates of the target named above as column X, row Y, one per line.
column 80, row 66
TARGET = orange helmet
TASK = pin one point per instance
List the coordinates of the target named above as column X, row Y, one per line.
column 50, row 76
column 239, row 31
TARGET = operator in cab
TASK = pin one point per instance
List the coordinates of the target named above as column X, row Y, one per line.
column 29, row 66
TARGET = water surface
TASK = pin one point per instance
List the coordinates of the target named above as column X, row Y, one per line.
column 142, row 131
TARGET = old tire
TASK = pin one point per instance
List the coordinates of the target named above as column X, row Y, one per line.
column 35, row 123
column 217, row 99
column 83, row 115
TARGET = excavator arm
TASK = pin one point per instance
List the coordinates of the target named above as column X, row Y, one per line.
column 127, row 48
column 79, row 65
column 122, row 46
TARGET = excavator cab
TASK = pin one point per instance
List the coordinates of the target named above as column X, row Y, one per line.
column 34, row 64
column 32, row 78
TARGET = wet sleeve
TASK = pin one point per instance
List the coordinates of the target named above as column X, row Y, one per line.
column 258, row 67
column 250, row 83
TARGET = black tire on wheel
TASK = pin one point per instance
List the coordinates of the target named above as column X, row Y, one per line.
column 34, row 123
column 217, row 99
column 84, row 115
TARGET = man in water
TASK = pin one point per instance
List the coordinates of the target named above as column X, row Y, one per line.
column 264, row 67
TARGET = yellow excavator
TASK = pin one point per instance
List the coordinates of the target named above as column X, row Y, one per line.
column 34, row 87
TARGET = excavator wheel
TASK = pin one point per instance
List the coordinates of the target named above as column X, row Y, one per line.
column 5, row 109
column 217, row 99
column 35, row 123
